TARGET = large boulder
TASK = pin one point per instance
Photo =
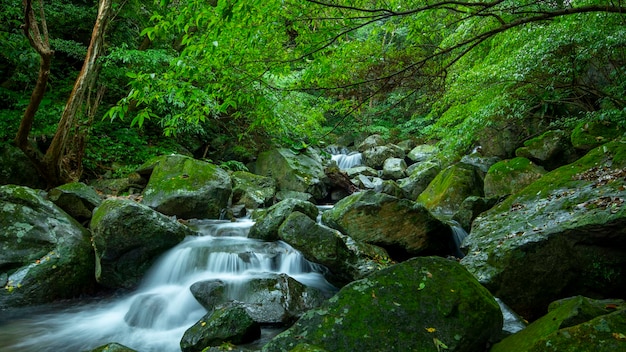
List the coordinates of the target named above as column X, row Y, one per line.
column 251, row 190
column 76, row 198
column 230, row 324
column 187, row 188
column 372, row 141
column 401, row 226
column 573, row 324
column 375, row 157
column 423, row 152
column 511, row 175
column 450, row 187
column 420, row 177
column 266, row 226
column 45, row 255
column 550, row 150
column 563, row 235
column 128, row 237
column 17, row 169
column 294, row 171
column 590, row 134
column 319, row 244
column 394, row 168
column 424, row 304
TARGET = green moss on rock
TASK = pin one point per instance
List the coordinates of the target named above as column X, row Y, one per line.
column 573, row 324
column 408, row 307
column 588, row 135
column 509, row 176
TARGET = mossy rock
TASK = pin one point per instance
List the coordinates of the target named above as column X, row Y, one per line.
column 319, row 244
column 127, row 238
column 450, row 187
column 253, row 191
column 187, row 188
column 403, row 227
column 551, row 149
column 573, row 324
column 293, row 171
column 229, row 324
column 45, row 255
column 268, row 222
column 590, row 134
column 76, row 198
column 565, row 233
column 423, row 152
column 422, row 304
column 511, row 175
column 113, row 347
column 419, row 179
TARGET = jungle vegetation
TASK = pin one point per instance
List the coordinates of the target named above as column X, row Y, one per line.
column 89, row 87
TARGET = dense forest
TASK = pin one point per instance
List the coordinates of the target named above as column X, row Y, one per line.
column 91, row 88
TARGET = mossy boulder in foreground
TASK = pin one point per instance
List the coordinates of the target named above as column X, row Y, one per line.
column 45, row 255
column 572, row 325
column 423, row 304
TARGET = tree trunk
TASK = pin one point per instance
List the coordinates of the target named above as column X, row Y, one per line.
column 54, row 165
column 40, row 42
column 59, row 170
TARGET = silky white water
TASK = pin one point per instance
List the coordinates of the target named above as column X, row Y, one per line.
column 155, row 317
column 346, row 159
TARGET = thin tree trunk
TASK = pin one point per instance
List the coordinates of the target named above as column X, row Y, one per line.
column 40, row 42
column 58, row 172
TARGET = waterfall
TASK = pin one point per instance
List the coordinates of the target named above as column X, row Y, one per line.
column 344, row 158
column 154, row 317
column 458, row 235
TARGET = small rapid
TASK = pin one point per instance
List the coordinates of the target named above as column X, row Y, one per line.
column 156, row 315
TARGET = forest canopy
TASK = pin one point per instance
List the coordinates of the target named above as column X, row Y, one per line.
column 236, row 74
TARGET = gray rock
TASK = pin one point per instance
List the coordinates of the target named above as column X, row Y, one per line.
column 510, row 176
column 252, row 190
column 45, row 255
column 375, row 157
column 392, row 223
column 128, row 237
column 76, row 198
column 266, row 226
column 394, row 168
column 300, row 172
column 560, row 236
column 423, row 152
column 229, row 324
column 420, row 177
column 551, row 149
column 372, row 141
column 187, row 188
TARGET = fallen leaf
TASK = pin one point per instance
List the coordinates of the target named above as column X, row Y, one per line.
column 440, row 345
column 619, row 336
column 431, row 330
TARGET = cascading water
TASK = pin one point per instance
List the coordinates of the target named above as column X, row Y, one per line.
column 345, row 159
column 155, row 317
column 458, row 235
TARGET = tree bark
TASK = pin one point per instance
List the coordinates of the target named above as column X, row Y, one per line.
column 52, row 165
column 39, row 40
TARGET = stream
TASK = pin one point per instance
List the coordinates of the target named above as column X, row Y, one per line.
column 156, row 315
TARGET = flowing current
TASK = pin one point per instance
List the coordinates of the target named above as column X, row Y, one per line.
column 155, row 317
